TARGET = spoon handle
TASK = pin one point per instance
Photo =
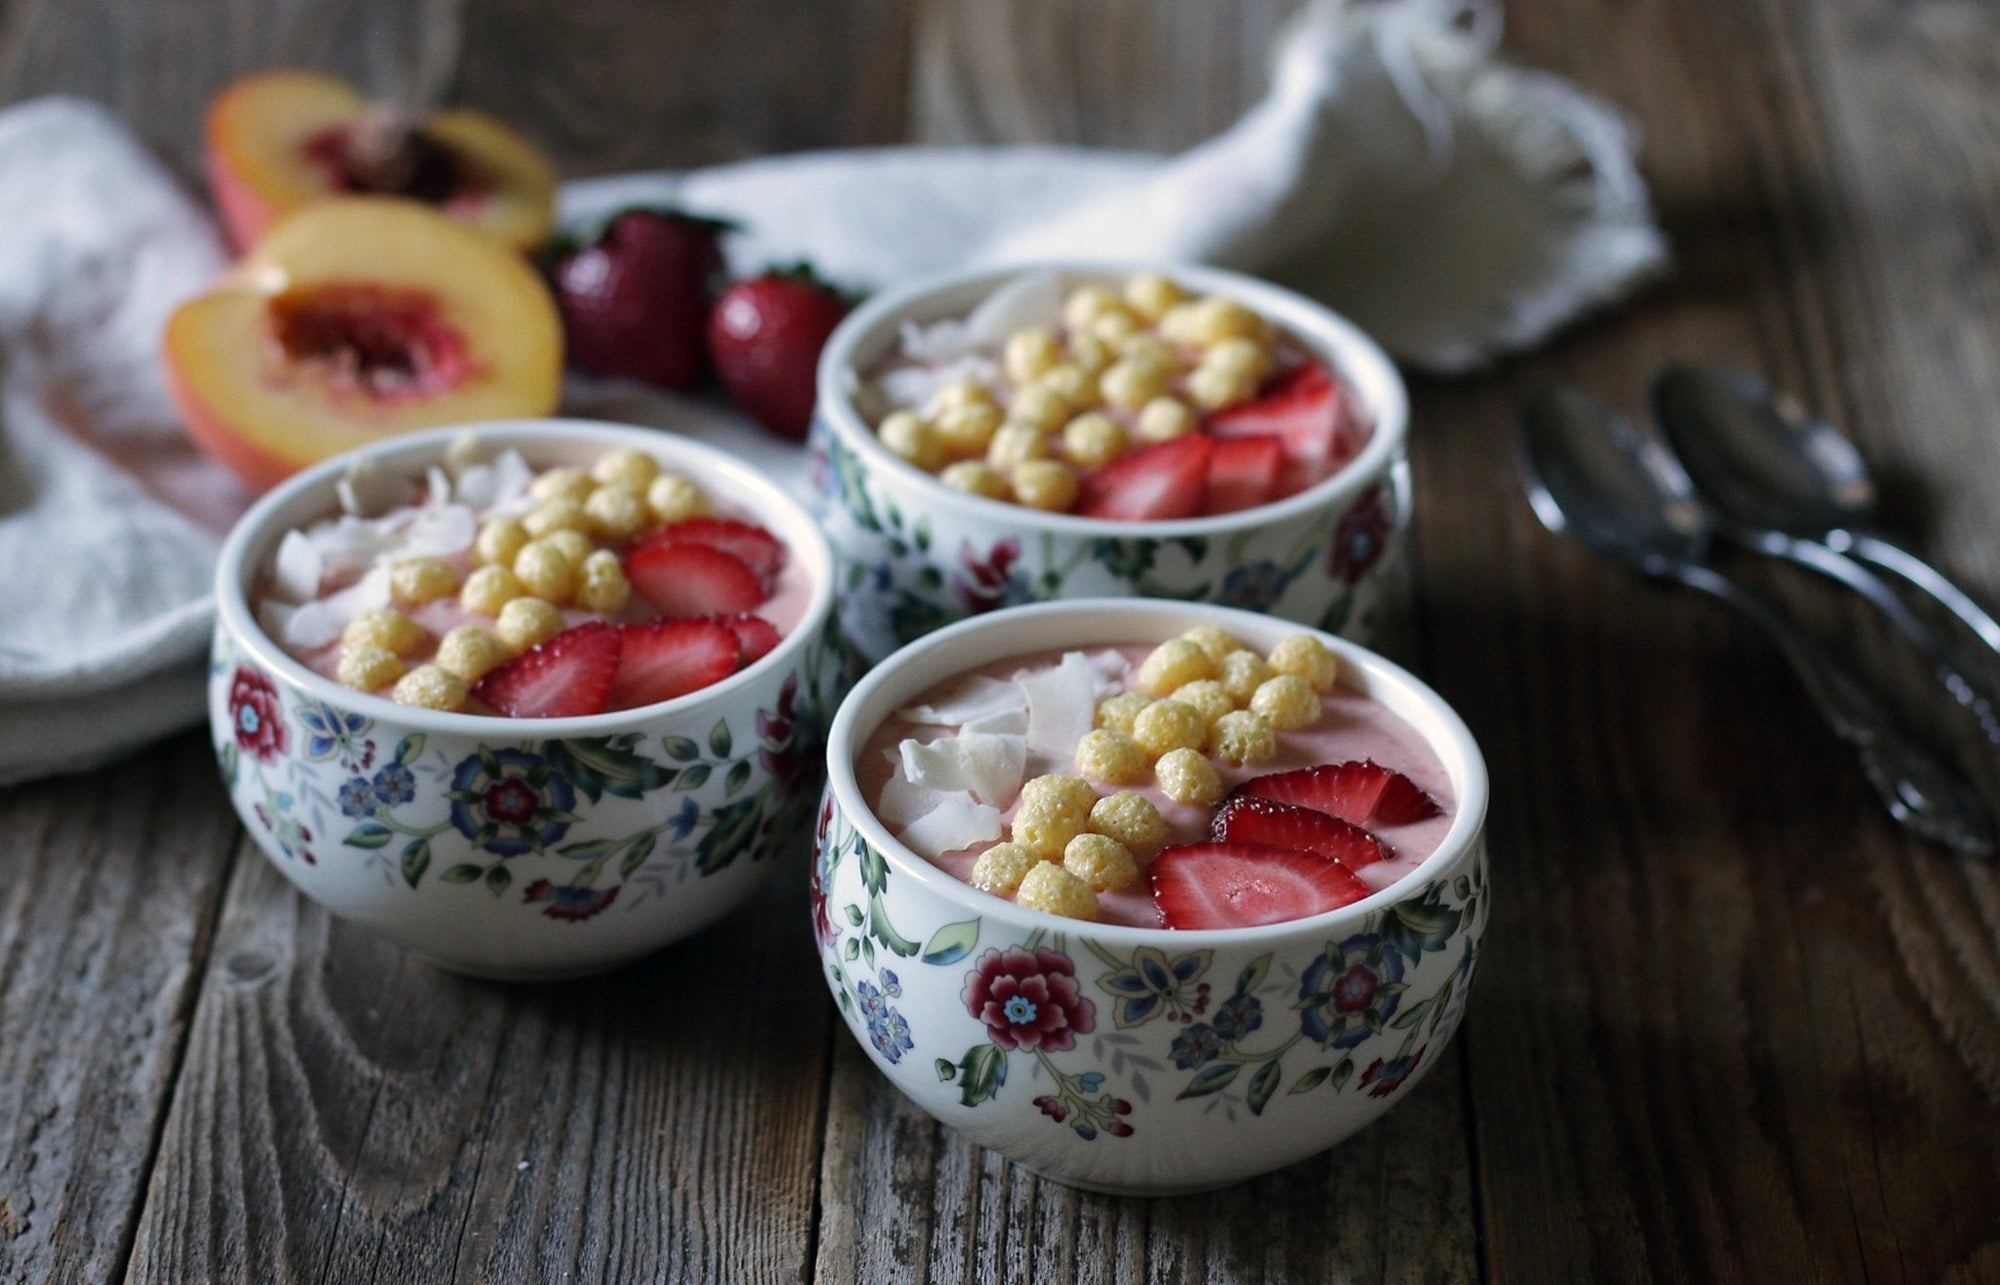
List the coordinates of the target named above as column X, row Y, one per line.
column 1957, row 677
column 1897, row 560
column 1920, row 792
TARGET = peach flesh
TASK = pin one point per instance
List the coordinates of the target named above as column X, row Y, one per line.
column 370, row 340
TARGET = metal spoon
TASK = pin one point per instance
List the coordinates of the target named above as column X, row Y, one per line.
column 1593, row 476
column 1769, row 462
column 1765, row 472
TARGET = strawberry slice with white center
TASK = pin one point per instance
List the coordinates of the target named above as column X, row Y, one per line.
column 761, row 551
column 1152, row 484
column 754, row 634
column 1242, row 472
column 569, row 675
column 1250, row 819
column 1306, row 409
column 669, row 658
column 1360, row 793
column 682, row 580
column 1241, row 885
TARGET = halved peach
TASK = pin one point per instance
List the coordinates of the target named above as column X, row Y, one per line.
column 356, row 319
column 278, row 140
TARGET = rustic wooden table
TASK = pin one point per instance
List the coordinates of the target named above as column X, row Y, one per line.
column 1730, row 1022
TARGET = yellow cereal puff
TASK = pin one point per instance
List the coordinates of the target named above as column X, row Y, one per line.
column 1287, row 702
column 1165, row 418
column 545, row 571
column 1215, row 640
column 1041, row 406
column 472, row 652
column 1014, row 443
column 1131, row 385
column 1000, row 867
column 1086, row 304
column 1305, row 656
column 1150, row 295
column 554, row 516
column 1172, row 664
column 488, row 589
column 1243, row 672
column 1045, row 827
column 1093, row 439
column 368, row 668
column 1102, row 862
column 976, row 477
column 429, row 687
column 1055, row 891
column 1208, row 697
column 961, row 392
column 616, row 513
column 1030, row 353
column 1110, row 757
column 602, row 586
column 1070, row 382
column 420, row 580
column 634, row 470
column 564, row 483
column 525, row 622
column 1169, row 725
column 1244, row 738
column 910, row 437
column 1048, row 485
column 574, row 545
column 1219, row 387
column 1070, row 794
column 499, row 541
column 1118, row 712
column 1129, row 817
column 1188, row 777
column 1239, row 353
column 387, row 628
column 675, row 498
column 966, row 431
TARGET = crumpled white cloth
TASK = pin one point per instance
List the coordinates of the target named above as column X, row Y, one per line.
column 1454, row 206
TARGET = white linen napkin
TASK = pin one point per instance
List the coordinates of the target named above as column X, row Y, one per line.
column 1454, row 206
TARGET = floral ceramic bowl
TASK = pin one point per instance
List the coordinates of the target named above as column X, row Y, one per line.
column 912, row 554
column 521, row 849
column 1182, row 1061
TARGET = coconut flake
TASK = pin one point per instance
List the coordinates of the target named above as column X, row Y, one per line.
column 957, row 822
column 936, row 342
column 902, row 803
column 1032, row 299
column 297, row 568
column 437, row 486
column 319, row 622
column 990, row 766
column 347, row 545
column 974, row 698
column 1062, row 704
column 435, row 532
column 916, row 385
column 1111, row 669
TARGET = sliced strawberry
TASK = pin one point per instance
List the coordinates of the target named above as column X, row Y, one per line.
column 1239, row 885
column 669, row 658
column 754, row 634
column 1248, row 818
column 761, row 551
column 693, row 580
column 1152, row 484
column 1242, row 472
column 1359, row 793
column 568, row 675
column 1307, row 408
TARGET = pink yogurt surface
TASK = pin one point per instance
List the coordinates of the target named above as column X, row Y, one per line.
column 1351, row 726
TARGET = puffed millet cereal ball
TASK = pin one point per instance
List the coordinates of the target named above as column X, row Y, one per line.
column 554, row 516
column 472, row 652
column 1286, row 702
column 1102, row 862
column 1242, row 354
column 563, row 483
column 1172, row 664
column 1130, row 817
column 488, row 589
column 1091, row 356
column 1148, row 349
column 419, row 580
column 574, row 545
column 1150, row 295
column 528, row 622
column 960, row 392
column 965, row 431
column 1215, row 640
column 1092, row 440
column 1243, row 672
column 1045, row 828
column 1030, row 352
column 1118, row 713
column 499, row 540
column 1070, row 794
column 387, row 628
column 1242, row 737
column 1087, row 303
column 1049, row 485
column 1055, row 891
column 632, row 469
column 1169, row 725
column 1188, row 777
column 1306, row 657
column 1041, row 406
column 545, row 572
column 1111, row 757
column 675, row 498
column 999, row 869
column 1114, row 328
column 616, row 513
column 1181, row 324
column 1016, row 442
column 465, row 450
column 1218, row 318
column 429, row 687
column 910, row 437
column 1214, row 387
column 1165, row 418
column 1072, row 385
column 368, row 668
column 1207, row 696
column 1129, row 385
column 602, row 585
column 976, row 477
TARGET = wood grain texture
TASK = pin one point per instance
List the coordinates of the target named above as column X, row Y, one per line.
column 351, row 1113
column 109, row 888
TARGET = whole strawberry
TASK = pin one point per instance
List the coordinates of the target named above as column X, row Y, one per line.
column 765, row 336
column 633, row 301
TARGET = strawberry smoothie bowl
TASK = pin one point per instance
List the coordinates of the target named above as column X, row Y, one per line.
column 1149, row 897
column 998, row 437
column 531, row 697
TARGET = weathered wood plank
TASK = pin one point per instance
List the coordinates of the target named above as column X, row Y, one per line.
column 348, row 1112
column 111, row 887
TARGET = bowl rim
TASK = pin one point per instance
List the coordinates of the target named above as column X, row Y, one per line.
column 1358, row 359
column 1450, row 739
column 256, row 532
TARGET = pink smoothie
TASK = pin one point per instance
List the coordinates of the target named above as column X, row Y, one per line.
column 1351, row 726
